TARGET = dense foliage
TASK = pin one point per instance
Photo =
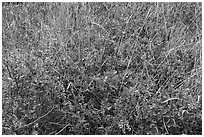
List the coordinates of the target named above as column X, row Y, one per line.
column 101, row 68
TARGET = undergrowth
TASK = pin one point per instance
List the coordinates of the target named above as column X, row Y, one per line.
column 101, row 68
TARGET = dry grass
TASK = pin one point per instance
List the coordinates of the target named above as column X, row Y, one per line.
column 102, row 68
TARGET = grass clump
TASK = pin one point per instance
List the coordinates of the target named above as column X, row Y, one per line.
column 101, row 68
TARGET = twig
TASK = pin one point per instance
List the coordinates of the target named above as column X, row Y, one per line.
column 170, row 99
column 101, row 27
column 62, row 129
column 56, row 71
column 55, row 123
column 38, row 118
column 52, row 132
column 165, row 126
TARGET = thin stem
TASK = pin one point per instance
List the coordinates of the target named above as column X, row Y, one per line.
column 39, row 118
column 62, row 129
